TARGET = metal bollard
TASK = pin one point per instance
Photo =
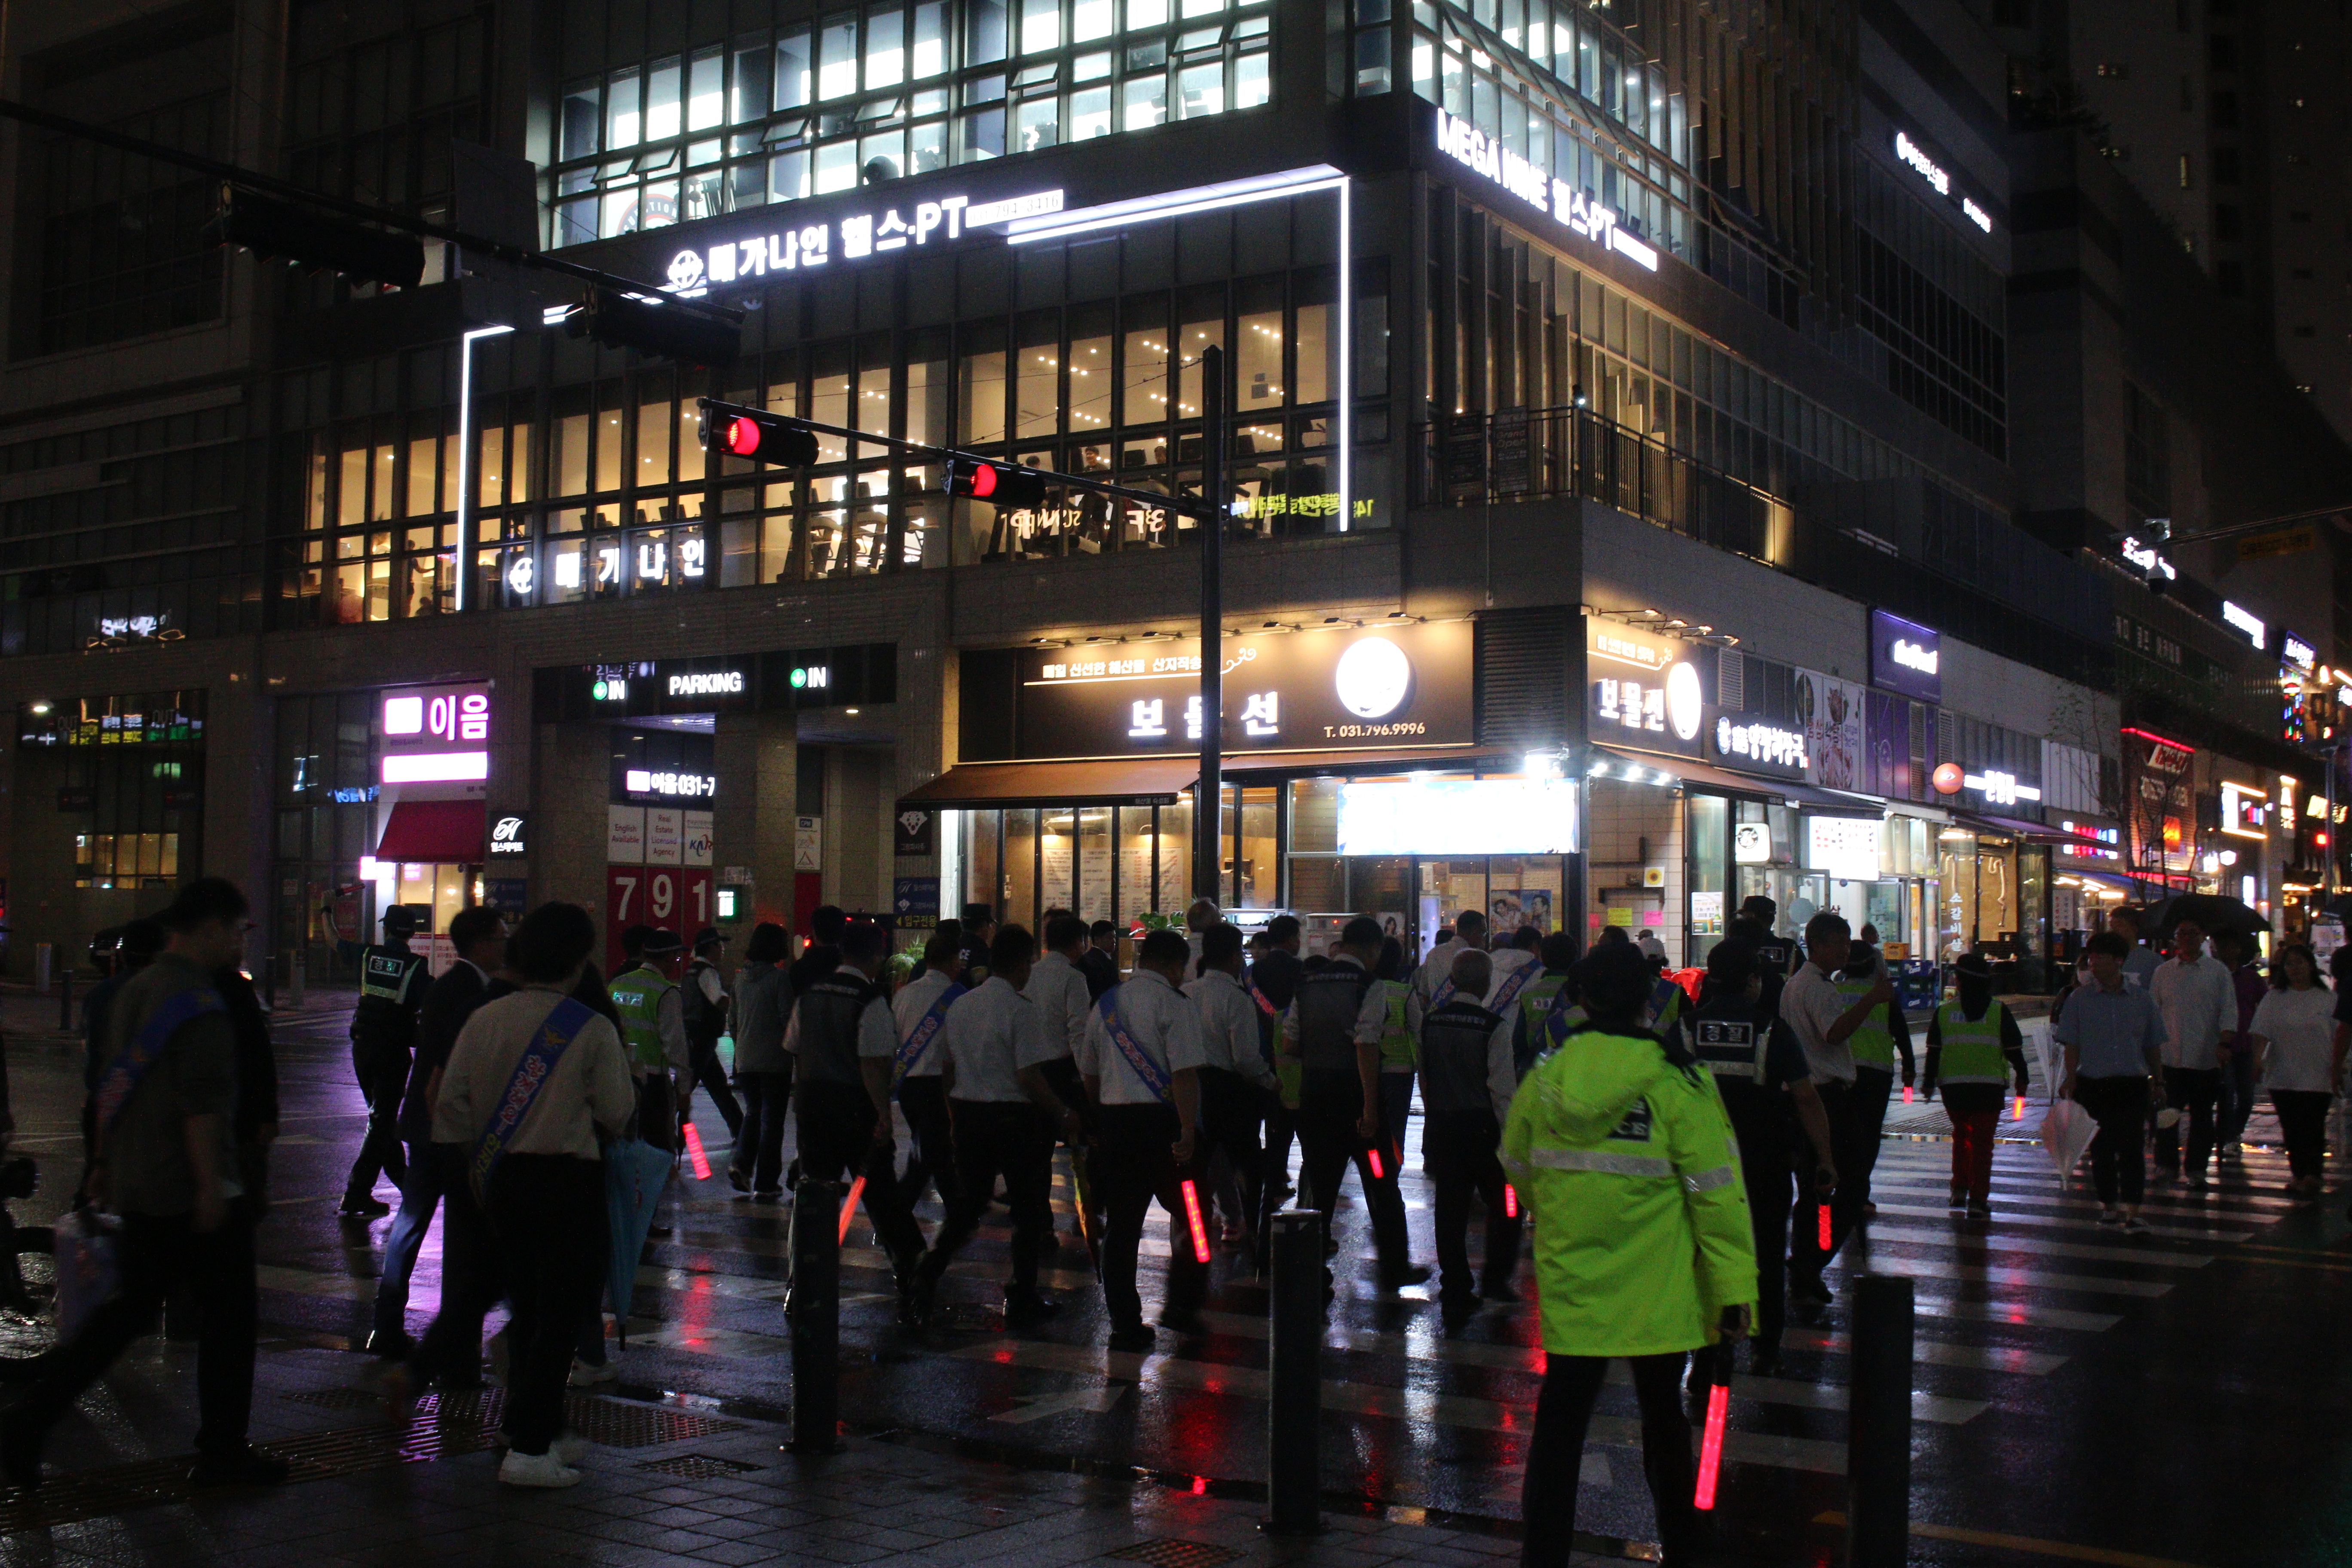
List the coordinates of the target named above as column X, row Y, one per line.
column 815, row 1313
column 65, row 1002
column 1293, row 1422
column 1878, row 1450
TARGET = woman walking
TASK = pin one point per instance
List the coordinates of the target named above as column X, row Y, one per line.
column 2293, row 1036
column 1970, row 1040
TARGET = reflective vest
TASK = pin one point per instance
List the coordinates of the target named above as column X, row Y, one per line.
column 1399, row 1052
column 826, row 1016
column 637, row 995
column 1970, row 1053
column 1873, row 1040
column 1455, row 1041
column 389, row 994
column 1535, row 1000
column 1666, row 999
column 1327, row 1002
column 1730, row 1040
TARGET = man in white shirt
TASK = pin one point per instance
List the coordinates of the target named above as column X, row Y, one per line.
column 918, row 1013
column 2199, row 1003
column 1822, row 1020
column 1141, row 1059
column 1005, row 1115
column 1237, row 1081
column 1058, row 986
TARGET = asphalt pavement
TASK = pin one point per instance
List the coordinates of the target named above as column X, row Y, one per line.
column 2081, row 1395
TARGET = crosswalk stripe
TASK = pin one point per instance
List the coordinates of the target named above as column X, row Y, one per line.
column 1909, row 1236
column 2012, row 1279
column 2043, row 1192
column 2005, row 1217
column 1937, row 1352
column 2016, row 1314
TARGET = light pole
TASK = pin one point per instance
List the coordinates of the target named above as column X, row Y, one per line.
column 1207, row 801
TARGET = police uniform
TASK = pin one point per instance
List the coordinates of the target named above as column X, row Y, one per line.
column 918, row 1013
column 652, row 1028
column 837, row 1025
column 1272, row 983
column 1621, row 1155
column 704, row 995
column 1972, row 1060
column 1542, row 997
column 1466, row 1081
column 1237, row 1085
column 1875, row 1043
column 1380, row 1023
column 1754, row 1058
column 1320, row 1033
column 383, row 1033
column 1141, row 1036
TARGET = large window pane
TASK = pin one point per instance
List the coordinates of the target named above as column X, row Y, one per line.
column 1041, row 25
column 623, row 124
column 755, row 81
column 1143, row 100
column 836, row 167
column 931, row 54
column 1201, row 90
column 837, row 75
column 886, row 46
column 793, row 70
column 1313, row 368
column 706, row 95
column 927, row 390
column 1257, row 347
column 1203, row 324
column 1037, row 125
column 985, row 39
column 654, row 418
column 1143, row 376
column 1089, row 367
column 1250, row 84
column 1037, row 393
column 829, row 397
column 662, row 84
column 580, row 110
column 979, row 390
column 608, row 440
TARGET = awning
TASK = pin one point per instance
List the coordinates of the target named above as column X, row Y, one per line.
column 2032, row 832
column 430, row 830
column 1700, row 773
column 1401, row 759
column 1140, row 781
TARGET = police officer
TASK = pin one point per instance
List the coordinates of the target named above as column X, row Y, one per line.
column 919, row 1012
column 652, row 1027
column 1333, row 1036
column 1620, row 1150
column 1760, row 1070
column 383, row 1029
column 704, row 995
column 1549, row 992
column 1875, row 1043
column 1776, row 956
column 1272, row 983
column 1466, row 1083
column 844, row 1040
column 1388, row 998
column 1141, row 1058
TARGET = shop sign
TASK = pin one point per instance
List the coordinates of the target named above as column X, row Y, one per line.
column 1458, row 816
column 2245, row 811
column 1654, row 693
column 624, row 835
column 77, row 797
column 698, row 841
column 1910, row 153
column 783, row 679
column 665, row 835
column 1847, row 848
column 915, row 902
column 2091, row 841
column 809, row 246
column 1354, row 690
column 1751, row 844
column 1999, row 788
column 1906, row 657
column 914, row 832
column 356, row 795
column 111, row 720
column 1582, row 215
column 508, row 837
column 2162, row 809
column 1761, row 746
column 667, row 783
column 435, row 735
column 676, row 900
column 808, row 844
column 507, row 895
column 1831, row 711
column 1646, row 690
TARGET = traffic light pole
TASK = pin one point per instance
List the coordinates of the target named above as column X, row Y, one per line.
column 1209, row 799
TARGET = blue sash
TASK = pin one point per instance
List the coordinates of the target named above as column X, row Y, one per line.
column 1155, row 1076
column 531, row 1076
column 918, row 1039
column 1513, row 983
column 1662, row 997
column 143, row 1050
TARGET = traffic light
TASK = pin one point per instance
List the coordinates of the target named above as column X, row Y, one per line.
column 730, row 432
column 269, row 227
column 1000, row 485
column 667, row 329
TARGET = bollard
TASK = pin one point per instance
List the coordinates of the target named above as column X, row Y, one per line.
column 815, row 1312
column 298, row 972
column 65, row 1002
column 1878, row 1450
column 1294, row 1420
column 42, row 959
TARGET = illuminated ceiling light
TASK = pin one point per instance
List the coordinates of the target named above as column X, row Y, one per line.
column 1174, row 204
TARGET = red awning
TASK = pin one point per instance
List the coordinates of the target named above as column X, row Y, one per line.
column 426, row 830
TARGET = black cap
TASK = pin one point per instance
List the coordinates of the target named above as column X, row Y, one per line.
column 401, row 918
column 709, row 937
column 661, row 942
column 1973, row 964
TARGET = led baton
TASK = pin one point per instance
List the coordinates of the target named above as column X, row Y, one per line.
column 1710, row 1452
column 849, row 1206
column 1192, row 1218
column 694, row 1153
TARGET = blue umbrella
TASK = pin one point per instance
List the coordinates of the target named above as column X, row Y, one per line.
column 635, row 1174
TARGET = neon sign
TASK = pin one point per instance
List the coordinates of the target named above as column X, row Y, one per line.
column 853, row 238
column 1581, row 215
column 1908, row 152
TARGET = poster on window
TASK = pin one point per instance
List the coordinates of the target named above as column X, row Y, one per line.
column 2159, row 791
column 1831, row 713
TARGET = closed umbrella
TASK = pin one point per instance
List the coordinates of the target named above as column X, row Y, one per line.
column 635, row 1172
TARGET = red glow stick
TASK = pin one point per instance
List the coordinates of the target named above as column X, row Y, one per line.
column 1510, row 1201
column 1710, row 1452
column 1378, row 1175
column 849, row 1206
column 1906, row 1094
column 1192, row 1218
column 694, row 1153
column 2021, row 1108
column 1823, row 1210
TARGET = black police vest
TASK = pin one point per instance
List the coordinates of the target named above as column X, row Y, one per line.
column 1730, row 1037
column 1328, row 1003
column 704, row 1020
column 1454, row 1045
column 388, row 1002
column 827, row 1014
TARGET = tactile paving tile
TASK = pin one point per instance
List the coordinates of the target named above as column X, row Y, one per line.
column 697, row 1467
column 1174, row 1554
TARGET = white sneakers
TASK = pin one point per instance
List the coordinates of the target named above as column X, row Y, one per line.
column 545, row 1471
column 585, row 1375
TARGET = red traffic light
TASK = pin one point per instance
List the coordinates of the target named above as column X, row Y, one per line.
column 736, row 432
column 742, row 437
column 999, row 484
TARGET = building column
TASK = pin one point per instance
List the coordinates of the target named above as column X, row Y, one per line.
column 753, row 819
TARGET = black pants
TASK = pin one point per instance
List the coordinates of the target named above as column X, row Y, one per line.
column 1766, row 1169
column 1458, row 1152
column 1230, row 1108
column 1061, row 1076
column 703, row 1069
column 1556, row 1453
column 836, row 1143
column 473, row 1279
column 1873, row 1088
column 1133, row 1165
column 932, row 1159
column 1274, row 1169
column 994, row 1138
column 2192, row 1092
column 157, row 1253
column 382, row 1068
column 2303, row 1122
column 657, row 1111
column 759, row 1141
column 548, row 1214
column 1847, row 1143
column 1329, row 1106
column 2119, row 1164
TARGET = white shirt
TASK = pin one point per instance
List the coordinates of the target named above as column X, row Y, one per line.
column 1229, row 1027
column 876, row 1035
column 1160, row 1020
column 1438, row 968
column 2301, row 1028
column 992, row 1033
column 2200, row 1003
column 1063, row 1001
column 1811, row 1004
column 911, row 1007
column 587, row 1093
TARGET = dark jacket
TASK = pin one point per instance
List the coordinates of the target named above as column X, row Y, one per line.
column 449, row 1003
column 821, row 960
column 1101, row 970
column 257, row 1077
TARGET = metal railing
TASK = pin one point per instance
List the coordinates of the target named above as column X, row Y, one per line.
column 1471, row 459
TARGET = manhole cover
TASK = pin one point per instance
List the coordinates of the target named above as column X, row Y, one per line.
column 1175, row 1554
column 334, row 1398
column 697, row 1467
column 616, row 1424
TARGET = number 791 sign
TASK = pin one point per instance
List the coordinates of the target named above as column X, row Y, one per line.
column 676, row 898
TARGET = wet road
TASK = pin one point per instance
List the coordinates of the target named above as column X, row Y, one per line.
column 2081, row 1395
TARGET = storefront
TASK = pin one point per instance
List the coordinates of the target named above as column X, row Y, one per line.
column 1353, row 783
